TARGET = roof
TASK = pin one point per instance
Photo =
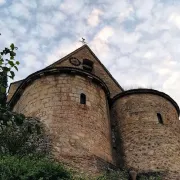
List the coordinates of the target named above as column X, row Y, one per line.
column 79, row 49
column 146, row 91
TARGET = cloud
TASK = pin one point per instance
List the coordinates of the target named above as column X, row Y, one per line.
column 55, row 18
column 29, row 4
column 175, row 19
column 31, row 61
column 18, row 10
column 30, row 46
column 93, row 19
column 100, row 43
column 105, row 34
column 144, row 8
column 2, row 2
column 138, row 41
column 47, row 30
column 126, row 14
column 46, row 4
column 64, row 47
column 72, row 7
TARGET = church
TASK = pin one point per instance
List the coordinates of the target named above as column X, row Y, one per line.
column 94, row 123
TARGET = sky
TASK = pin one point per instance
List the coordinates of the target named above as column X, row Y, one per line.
column 137, row 40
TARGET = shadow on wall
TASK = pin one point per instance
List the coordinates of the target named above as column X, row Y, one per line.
column 117, row 144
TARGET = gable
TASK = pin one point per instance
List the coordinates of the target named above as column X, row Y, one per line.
column 12, row 89
column 99, row 70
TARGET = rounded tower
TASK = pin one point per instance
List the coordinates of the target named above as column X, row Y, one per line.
column 71, row 98
column 147, row 130
column 73, row 106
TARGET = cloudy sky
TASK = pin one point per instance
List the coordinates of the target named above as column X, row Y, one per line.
column 137, row 40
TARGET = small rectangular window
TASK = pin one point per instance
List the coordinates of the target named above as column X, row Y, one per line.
column 83, row 98
column 160, row 120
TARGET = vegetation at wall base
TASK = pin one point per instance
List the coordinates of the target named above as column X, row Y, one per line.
column 150, row 176
column 120, row 175
column 31, row 168
column 115, row 175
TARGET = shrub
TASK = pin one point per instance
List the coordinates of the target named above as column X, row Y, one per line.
column 21, row 136
column 28, row 168
column 150, row 176
column 115, row 175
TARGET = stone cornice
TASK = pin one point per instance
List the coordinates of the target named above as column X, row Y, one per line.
column 55, row 70
column 146, row 91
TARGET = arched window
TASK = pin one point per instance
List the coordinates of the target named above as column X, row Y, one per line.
column 83, row 98
column 160, row 120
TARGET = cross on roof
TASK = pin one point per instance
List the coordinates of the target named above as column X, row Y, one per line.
column 83, row 41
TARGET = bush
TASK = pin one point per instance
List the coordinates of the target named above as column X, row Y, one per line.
column 115, row 175
column 150, row 176
column 21, row 136
column 124, row 175
column 28, row 168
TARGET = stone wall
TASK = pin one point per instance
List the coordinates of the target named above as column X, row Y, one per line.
column 144, row 143
column 80, row 133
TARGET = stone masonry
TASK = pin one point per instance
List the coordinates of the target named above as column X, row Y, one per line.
column 137, row 129
column 78, row 131
column 148, row 145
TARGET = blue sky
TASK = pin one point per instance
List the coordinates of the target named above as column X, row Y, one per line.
column 137, row 40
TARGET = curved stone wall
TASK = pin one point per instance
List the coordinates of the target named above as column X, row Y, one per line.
column 80, row 133
column 147, row 144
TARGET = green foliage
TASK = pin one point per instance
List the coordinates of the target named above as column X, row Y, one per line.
column 28, row 168
column 7, row 66
column 124, row 175
column 21, row 136
column 150, row 176
column 115, row 175
column 112, row 175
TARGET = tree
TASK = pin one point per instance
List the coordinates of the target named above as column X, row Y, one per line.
column 8, row 65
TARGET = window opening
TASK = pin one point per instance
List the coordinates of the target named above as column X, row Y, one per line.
column 87, row 65
column 83, row 98
column 160, row 120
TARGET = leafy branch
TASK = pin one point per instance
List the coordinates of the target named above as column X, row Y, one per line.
column 7, row 65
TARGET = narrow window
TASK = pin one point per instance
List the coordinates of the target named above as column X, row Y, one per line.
column 83, row 98
column 160, row 118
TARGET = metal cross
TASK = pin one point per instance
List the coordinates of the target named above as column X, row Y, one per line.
column 83, row 41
